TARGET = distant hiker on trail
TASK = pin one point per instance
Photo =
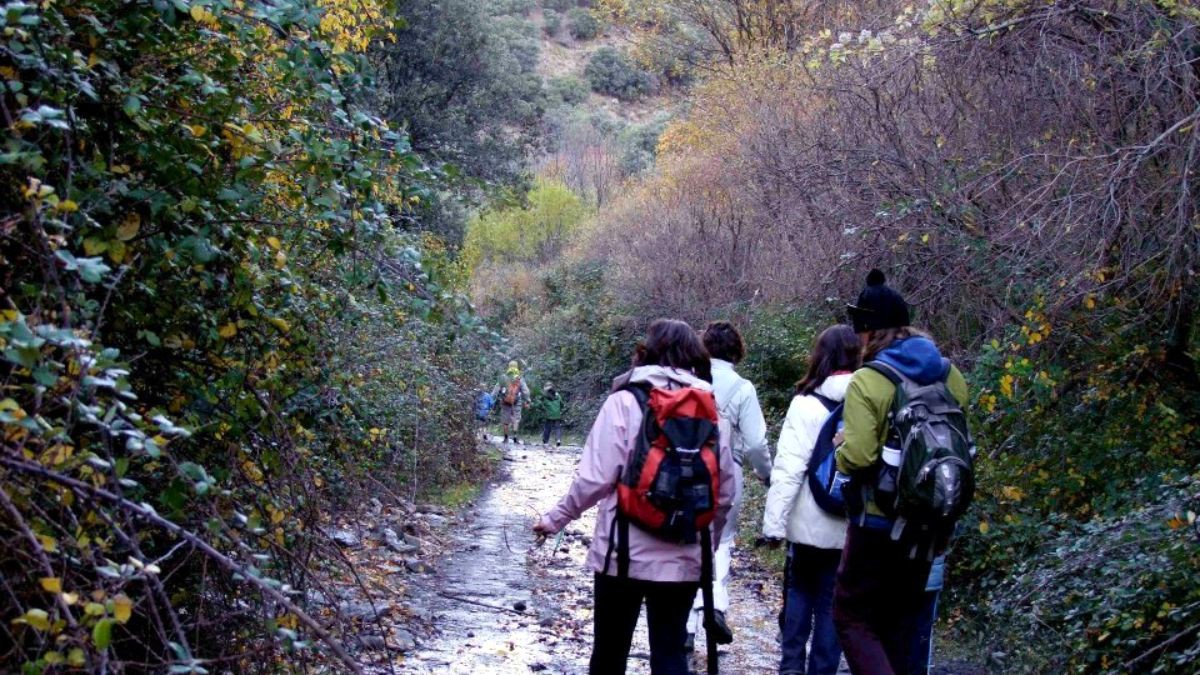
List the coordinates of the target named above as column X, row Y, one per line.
column 513, row 393
column 737, row 401
column 909, row 456
column 484, row 402
column 815, row 535
column 552, row 414
column 640, row 552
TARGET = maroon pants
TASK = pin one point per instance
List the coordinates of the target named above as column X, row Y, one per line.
column 877, row 602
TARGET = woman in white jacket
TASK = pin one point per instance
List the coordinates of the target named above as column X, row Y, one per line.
column 814, row 536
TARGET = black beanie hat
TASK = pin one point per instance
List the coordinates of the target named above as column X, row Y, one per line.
column 879, row 306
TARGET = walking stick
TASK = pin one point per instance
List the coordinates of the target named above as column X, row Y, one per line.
column 706, row 590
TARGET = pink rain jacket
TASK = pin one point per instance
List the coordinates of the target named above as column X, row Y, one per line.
column 606, row 451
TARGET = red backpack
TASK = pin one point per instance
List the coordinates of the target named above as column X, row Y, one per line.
column 671, row 484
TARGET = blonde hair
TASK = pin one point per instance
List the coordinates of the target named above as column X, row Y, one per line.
column 879, row 340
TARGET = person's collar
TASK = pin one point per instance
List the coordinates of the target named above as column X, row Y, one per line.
column 722, row 364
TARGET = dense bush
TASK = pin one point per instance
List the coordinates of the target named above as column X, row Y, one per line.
column 568, row 90
column 583, row 24
column 559, row 5
column 214, row 329
column 612, row 73
column 551, row 22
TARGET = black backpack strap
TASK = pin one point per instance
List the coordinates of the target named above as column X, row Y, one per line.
column 622, row 545
column 829, row 403
column 641, row 392
column 885, row 370
column 706, row 592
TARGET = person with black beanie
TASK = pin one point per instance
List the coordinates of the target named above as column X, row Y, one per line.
column 879, row 593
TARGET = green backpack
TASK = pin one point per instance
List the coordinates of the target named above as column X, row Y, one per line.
column 933, row 482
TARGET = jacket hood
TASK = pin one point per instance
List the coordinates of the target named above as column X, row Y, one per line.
column 834, row 387
column 660, row 377
column 916, row 358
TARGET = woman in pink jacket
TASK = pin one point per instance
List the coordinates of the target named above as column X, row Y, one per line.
column 665, row 575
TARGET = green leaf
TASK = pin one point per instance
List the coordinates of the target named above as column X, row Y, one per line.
column 102, row 633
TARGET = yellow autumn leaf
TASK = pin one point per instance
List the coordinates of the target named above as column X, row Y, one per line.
column 1012, row 493
column 70, row 598
column 925, row 238
column 280, row 260
column 122, row 608
column 1089, row 302
column 37, row 618
column 129, row 226
column 983, row 527
column 51, row 584
column 67, row 206
column 281, row 324
column 50, row 544
column 197, row 130
column 274, row 243
column 228, row 330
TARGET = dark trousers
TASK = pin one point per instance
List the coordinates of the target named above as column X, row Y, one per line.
column 921, row 656
column 877, row 602
column 618, row 603
column 549, row 426
column 808, row 610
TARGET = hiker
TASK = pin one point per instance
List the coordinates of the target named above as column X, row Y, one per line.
column 552, row 412
column 484, row 402
column 737, row 401
column 814, row 534
column 879, row 592
column 514, row 397
column 633, row 562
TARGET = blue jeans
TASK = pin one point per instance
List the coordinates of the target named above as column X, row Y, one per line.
column 808, row 610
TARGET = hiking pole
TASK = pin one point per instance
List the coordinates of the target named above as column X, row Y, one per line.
column 706, row 590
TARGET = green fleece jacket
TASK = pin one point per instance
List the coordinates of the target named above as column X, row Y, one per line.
column 868, row 400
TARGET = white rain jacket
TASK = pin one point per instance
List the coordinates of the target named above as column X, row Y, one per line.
column 738, row 400
column 791, row 511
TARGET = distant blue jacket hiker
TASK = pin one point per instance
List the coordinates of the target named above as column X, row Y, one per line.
column 483, row 405
column 484, row 402
column 879, row 594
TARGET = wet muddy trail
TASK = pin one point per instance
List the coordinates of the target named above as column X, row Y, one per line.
column 498, row 603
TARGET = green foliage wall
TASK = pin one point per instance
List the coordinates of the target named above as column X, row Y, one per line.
column 215, row 322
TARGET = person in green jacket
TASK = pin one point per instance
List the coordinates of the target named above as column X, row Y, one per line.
column 879, row 593
column 552, row 411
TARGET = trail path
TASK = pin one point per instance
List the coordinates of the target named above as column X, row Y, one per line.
column 502, row 605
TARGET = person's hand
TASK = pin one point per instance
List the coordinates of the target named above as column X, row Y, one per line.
column 838, row 438
column 540, row 529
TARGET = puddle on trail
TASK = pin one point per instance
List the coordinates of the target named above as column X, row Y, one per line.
column 504, row 606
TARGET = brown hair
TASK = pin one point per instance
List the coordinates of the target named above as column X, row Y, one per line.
column 879, row 340
column 674, row 344
column 723, row 341
column 837, row 348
